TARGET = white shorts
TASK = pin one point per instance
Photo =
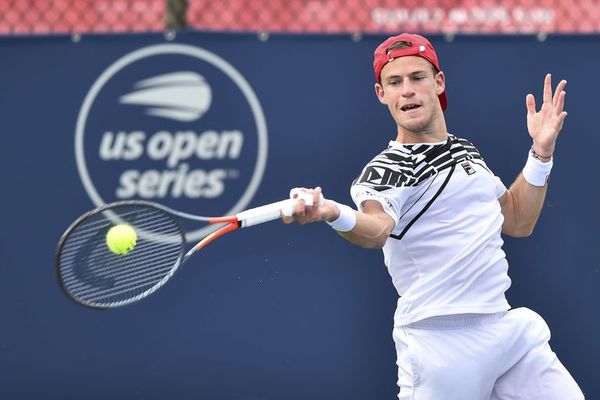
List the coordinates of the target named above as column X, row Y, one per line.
column 503, row 356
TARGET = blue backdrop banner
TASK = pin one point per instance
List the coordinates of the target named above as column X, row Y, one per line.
column 216, row 123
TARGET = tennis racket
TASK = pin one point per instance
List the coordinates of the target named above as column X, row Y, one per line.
column 94, row 276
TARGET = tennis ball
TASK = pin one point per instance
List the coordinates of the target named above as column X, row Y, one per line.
column 121, row 239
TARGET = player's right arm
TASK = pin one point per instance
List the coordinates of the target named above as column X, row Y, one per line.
column 373, row 226
column 371, row 230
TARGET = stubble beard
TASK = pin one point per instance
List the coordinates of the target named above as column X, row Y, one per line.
column 423, row 128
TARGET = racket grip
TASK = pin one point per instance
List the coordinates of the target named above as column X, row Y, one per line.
column 269, row 212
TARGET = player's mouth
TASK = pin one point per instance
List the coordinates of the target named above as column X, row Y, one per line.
column 410, row 107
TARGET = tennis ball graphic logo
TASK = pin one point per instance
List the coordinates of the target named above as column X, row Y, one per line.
column 121, row 239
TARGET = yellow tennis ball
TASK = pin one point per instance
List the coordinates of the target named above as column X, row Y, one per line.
column 121, row 239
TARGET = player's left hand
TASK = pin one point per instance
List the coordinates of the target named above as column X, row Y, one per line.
column 545, row 125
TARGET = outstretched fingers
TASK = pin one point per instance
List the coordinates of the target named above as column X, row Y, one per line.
column 560, row 88
column 555, row 100
column 548, row 89
column 530, row 103
column 560, row 120
column 560, row 102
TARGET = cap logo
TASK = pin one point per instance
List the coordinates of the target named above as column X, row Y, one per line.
column 421, row 48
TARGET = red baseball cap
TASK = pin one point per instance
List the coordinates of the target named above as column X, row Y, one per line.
column 417, row 45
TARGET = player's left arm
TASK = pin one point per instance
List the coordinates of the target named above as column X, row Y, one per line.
column 522, row 203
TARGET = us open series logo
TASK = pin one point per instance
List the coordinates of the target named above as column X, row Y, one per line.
column 175, row 124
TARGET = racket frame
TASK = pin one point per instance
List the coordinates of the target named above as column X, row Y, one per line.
column 250, row 217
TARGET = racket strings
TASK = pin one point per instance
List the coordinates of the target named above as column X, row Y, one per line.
column 124, row 278
column 95, row 276
column 143, row 248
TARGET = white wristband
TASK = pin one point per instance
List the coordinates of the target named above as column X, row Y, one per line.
column 537, row 172
column 347, row 219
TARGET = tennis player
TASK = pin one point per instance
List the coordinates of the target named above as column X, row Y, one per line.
column 438, row 211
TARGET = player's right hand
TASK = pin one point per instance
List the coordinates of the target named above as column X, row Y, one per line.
column 321, row 209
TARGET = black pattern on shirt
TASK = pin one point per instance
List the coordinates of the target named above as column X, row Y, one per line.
column 410, row 165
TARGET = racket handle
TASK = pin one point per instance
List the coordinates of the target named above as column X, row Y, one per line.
column 269, row 212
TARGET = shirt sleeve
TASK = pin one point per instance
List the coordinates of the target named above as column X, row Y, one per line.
column 500, row 188
column 361, row 193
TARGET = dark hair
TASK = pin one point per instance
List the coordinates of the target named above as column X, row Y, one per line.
column 402, row 44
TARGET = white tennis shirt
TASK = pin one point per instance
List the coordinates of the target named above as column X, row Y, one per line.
column 445, row 252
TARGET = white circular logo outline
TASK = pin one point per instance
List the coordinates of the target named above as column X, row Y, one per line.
column 203, row 55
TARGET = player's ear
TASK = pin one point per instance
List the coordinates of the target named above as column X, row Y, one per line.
column 440, row 83
column 380, row 93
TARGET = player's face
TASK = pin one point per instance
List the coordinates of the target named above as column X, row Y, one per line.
column 410, row 88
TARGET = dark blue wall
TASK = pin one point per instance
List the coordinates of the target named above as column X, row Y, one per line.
column 273, row 312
